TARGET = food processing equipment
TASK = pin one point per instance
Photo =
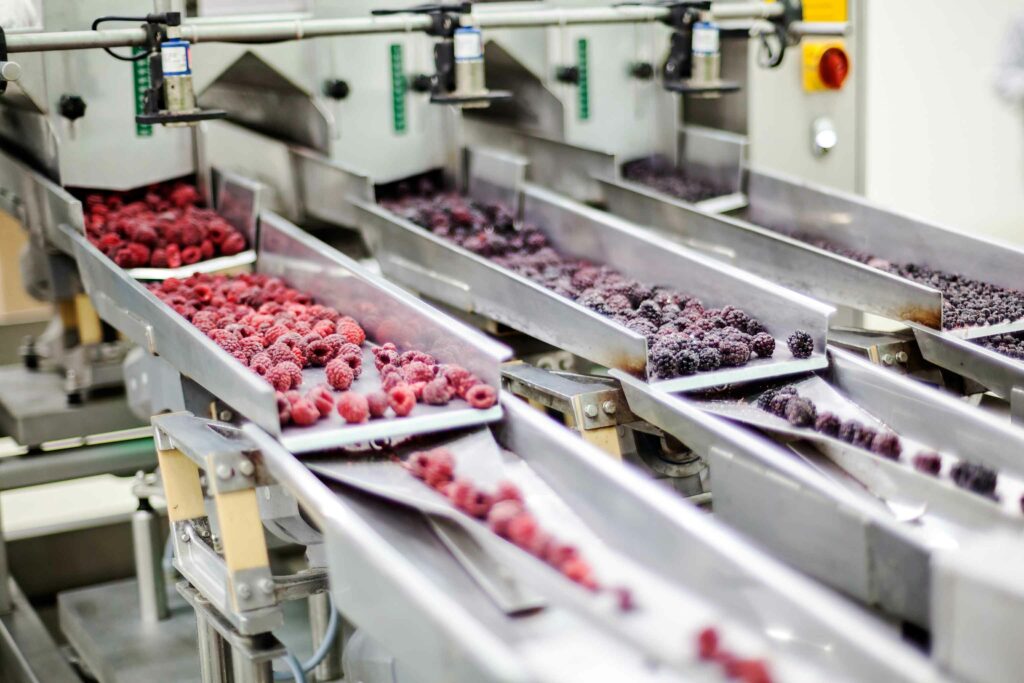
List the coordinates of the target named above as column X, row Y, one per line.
column 433, row 593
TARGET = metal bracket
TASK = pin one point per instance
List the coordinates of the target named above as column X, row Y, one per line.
column 593, row 403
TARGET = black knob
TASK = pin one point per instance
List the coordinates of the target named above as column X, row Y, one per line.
column 336, row 89
column 71, row 107
column 567, row 74
column 643, row 71
column 421, row 83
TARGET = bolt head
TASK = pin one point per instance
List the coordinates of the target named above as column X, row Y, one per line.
column 184, row 538
column 224, row 472
column 246, row 468
column 902, row 357
column 888, row 359
column 267, row 586
column 590, row 410
column 608, row 407
column 244, row 591
column 225, row 415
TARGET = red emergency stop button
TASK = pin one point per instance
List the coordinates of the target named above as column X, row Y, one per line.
column 834, row 67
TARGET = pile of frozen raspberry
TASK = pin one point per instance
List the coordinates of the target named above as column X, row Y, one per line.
column 801, row 412
column 710, row 649
column 661, row 174
column 163, row 227
column 1011, row 345
column 277, row 331
column 505, row 513
column 683, row 336
column 965, row 302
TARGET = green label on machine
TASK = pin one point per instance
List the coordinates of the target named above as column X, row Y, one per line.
column 140, row 74
column 398, row 88
column 583, row 88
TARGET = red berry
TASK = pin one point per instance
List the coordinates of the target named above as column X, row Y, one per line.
column 351, row 332
column 707, row 643
column 190, row 255
column 750, row 671
column 304, row 412
column 437, row 392
column 481, row 397
column 353, row 407
column 280, row 378
column 319, row 353
column 522, row 529
column 417, row 372
column 501, row 515
column 293, row 371
column 508, row 491
column 339, row 374
column 284, row 409
column 233, row 244
column 322, row 398
column 402, row 400
column 324, row 328
column 578, row 571
column 377, row 402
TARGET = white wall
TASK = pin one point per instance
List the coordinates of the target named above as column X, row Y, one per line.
column 939, row 141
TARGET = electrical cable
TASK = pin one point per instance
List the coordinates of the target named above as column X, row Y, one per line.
column 297, row 674
column 133, row 58
column 321, row 652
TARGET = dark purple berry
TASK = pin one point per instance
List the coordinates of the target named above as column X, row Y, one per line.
column 929, row 463
column 974, row 477
column 778, row 404
column 887, row 445
column 763, row 344
column 801, row 345
column 865, row 437
column 850, row 431
column 709, row 359
column 800, row 412
column 828, row 424
column 734, row 353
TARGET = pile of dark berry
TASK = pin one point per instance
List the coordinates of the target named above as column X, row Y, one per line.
column 801, row 412
column 965, row 302
column 735, row 668
column 164, row 227
column 662, row 175
column 506, row 514
column 276, row 331
column 684, row 336
column 1011, row 345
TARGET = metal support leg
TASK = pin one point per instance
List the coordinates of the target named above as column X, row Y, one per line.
column 247, row 671
column 319, row 615
column 5, row 592
column 212, row 652
column 149, row 569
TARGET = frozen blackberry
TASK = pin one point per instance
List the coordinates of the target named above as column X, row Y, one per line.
column 763, row 344
column 709, row 359
column 865, row 437
column 671, row 355
column 778, row 404
column 734, row 353
column 734, row 317
column 828, row 424
column 594, row 300
column 887, row 445
column 850, row 431
column 650, row 311
column 765, row 399
column 801, row 344
column 642, row 326
column 929, row 463
column 974, row 477
column 800, row 412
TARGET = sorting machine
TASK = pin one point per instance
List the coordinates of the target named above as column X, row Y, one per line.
column 433, row 595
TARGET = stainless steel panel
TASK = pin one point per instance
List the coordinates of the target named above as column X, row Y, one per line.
column 716, row 156
column 494, row 176
column 238, row 201
column 327, row 188
column 928, row 416
column 852, row 222
column 41, row 203
column 998, row 373
column 790, row 262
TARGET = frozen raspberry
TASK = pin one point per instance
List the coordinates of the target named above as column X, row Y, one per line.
column 377, row 402
column 474, row 502
column 974, row 477
column 353, row 407
column 293, row 371
column 190, row 255
column 322, row 398
column 412, row 356
column 708, row 644
column 339, row 374
column 280, row 378
column 280, row 353
column 351, row 332
column 261, row 364
column 284, row 409
column 800, row 412
column 461, row 379
column 417, row 390
column 763, row 344
column 233, row 244
column 501, row 515
column 275, row 333
column 828, row 424
column 508, row 491
column 385, row 355
column 417, row 372
column 800, row 344
column 324, row 328
column 353, row 358
column 481, row 397
column 522, row 529
column 887, row 445
column 305, row 412
column 293, row 396
column 578, row 571
column 437, row 392
column 929, row 463
column 401, row 399
column 335, row 341
column 440, row 469
column 749, row 671
column 390, row 380
column 318, row 353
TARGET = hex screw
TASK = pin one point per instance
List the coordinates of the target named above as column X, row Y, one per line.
column 888, row 359
column 184, row 537
column 902, row 357
column 244, row 591
column 590, row 410
column 267, row 586
column 246, row 468
column 608, row 407
column 224, row 472
column 226, row 415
